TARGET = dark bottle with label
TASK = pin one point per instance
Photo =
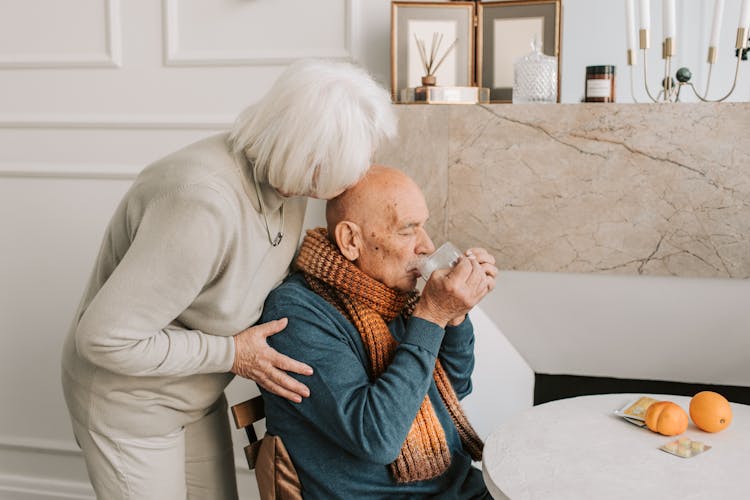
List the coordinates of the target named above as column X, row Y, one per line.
column 600, row 83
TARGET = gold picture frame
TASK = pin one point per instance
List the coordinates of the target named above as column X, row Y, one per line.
column 504, row 33
column 454, row 21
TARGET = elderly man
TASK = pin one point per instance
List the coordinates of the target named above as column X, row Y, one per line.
column 383, row 419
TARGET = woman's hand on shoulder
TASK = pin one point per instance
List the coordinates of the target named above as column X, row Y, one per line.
column 256, row 360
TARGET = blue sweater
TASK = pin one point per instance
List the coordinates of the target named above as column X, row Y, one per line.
column 342, row 438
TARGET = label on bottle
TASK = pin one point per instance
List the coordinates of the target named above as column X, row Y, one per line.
column 598, row 87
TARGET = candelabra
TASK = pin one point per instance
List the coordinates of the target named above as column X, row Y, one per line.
column 670, row 89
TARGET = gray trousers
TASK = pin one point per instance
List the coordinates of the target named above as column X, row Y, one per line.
column 195, row 462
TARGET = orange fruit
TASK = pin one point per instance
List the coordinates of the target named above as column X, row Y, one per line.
column 710, row 411
column 667, row 418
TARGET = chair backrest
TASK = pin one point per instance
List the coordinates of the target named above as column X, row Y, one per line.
column 245, row 415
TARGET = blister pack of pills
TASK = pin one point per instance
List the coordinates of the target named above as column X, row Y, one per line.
column 685, row 447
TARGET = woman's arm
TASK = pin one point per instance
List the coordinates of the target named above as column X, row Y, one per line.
column 177, row 248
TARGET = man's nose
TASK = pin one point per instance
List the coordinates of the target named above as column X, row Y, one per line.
column 425, row 245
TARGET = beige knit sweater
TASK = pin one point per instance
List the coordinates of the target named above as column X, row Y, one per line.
column 185, row 264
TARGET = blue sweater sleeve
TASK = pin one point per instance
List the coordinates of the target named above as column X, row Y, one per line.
column 371, row 418
column 457, row 356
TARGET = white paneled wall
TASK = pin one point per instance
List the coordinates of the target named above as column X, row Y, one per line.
column 51, row 231
column 32, row 36
column 93, row 90
column 191, row 37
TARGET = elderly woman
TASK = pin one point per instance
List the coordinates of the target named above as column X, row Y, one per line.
column 190, row 255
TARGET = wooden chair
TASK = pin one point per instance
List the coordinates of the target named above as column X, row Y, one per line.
column 276, row 476
column 245, row 415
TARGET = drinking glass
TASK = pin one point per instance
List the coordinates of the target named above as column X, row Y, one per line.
column 444, row 257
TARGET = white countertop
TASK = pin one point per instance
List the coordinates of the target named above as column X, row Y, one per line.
column 577, row 448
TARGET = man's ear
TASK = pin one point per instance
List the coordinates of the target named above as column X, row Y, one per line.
column 347, row 236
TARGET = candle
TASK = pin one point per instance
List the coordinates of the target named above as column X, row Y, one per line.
column 644, row 12
column 716, row 26
column 668, row 18
column 745, row 15
column 629, row 29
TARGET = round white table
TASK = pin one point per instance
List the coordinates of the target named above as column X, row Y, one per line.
column 577, row 448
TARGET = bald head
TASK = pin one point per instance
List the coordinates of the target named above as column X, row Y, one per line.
column 374, row 195
column 379, row 225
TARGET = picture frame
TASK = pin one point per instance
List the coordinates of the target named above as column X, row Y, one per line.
column 454, row 21
column 504, row 33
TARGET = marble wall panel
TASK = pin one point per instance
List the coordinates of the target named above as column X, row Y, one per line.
column 421, row 149
column 620, row 189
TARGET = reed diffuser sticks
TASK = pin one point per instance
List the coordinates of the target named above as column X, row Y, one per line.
column 432, row 63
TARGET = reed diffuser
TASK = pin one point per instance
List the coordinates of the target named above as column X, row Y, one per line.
column 432, row 63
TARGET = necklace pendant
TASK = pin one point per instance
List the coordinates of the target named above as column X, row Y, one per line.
column 275, row 241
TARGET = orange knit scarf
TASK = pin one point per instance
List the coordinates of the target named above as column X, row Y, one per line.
column 370, row 305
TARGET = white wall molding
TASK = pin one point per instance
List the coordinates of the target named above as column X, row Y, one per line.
column 39, row 488
column 43, row 170
column 110, row 58
column 174, row 55
column 68, row 169
column 118, row 122
column 25, row 443
column 34, row 484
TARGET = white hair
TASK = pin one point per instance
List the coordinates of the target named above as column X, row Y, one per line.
column 316, row 129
